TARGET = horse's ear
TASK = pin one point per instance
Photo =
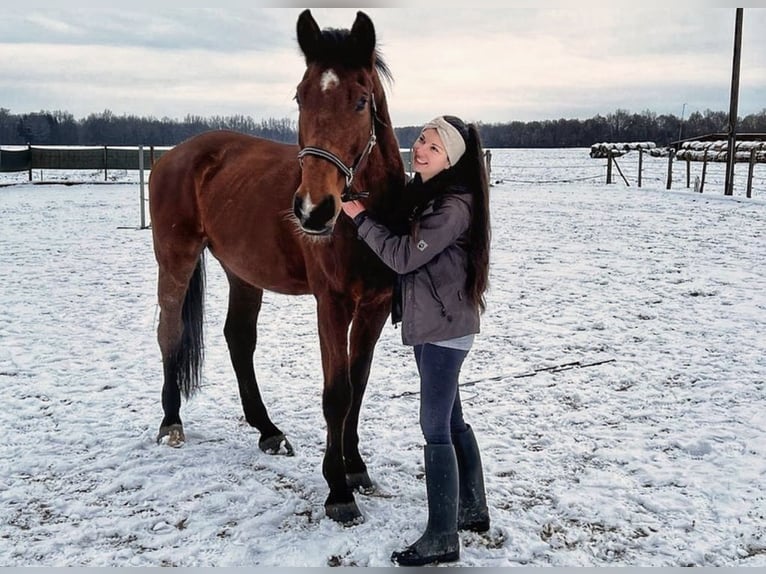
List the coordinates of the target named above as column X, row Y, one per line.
column 309, row 35
column 363, row 34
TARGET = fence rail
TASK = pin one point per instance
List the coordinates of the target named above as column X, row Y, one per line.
column 108, row 157
column 99, row 158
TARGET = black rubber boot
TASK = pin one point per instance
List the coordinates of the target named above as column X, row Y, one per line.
column 440, row 542
column 472, row 510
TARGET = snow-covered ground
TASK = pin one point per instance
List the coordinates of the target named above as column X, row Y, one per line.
column 654, row 455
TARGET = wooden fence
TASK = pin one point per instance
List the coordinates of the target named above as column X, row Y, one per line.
column 94, row 158
column 751, row 151
column 105, row 158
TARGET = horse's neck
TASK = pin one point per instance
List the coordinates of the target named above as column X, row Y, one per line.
column 387, row 179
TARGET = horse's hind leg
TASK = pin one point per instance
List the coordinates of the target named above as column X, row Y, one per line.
column 179, row 334
column 241, row 332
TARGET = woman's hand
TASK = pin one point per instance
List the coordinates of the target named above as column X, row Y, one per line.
column 353, row 208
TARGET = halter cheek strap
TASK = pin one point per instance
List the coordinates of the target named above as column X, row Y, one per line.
column 349, row 172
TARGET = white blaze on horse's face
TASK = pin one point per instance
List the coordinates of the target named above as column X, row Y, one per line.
column 329, row 80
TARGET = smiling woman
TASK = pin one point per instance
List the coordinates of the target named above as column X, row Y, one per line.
column 441, row 258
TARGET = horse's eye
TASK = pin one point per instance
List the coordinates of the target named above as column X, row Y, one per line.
column 297, row 99
column 360, row 105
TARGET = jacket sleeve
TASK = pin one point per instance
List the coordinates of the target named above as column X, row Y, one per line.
column 439, row 229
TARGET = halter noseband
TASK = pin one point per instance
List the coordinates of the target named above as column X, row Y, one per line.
column 349, row 172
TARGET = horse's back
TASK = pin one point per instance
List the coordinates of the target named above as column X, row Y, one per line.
column 222, row 167
column 202, row 156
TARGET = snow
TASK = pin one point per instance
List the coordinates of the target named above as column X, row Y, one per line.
column 654, row 455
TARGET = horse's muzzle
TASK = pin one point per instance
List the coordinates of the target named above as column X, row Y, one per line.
column 315, row 219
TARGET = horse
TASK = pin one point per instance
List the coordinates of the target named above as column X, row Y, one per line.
column 270, row 213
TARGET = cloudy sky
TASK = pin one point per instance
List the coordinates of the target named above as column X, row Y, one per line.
column 486, row 61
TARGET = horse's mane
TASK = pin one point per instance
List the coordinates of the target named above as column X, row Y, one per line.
column 337, row 47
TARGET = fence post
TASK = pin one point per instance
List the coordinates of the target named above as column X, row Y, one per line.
column 609, row 166
column 488, row 165
column 105, row 172
column 640, row 164
column 141, row 185
column 29, row 149
column 671, row 153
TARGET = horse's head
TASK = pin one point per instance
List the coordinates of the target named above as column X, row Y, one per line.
column 336, row 124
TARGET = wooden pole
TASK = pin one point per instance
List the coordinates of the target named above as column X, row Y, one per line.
column 141, row 185
column 640, row 165
column 105, row 166
column 609, row 166
column 734, row 101
column 29, row 148
column 671, row 152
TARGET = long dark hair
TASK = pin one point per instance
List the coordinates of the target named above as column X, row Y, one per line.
column 471, row 170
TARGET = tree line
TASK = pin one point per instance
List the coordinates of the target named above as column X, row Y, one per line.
column 107, row 128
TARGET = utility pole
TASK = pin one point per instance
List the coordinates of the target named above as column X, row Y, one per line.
column 733, row 104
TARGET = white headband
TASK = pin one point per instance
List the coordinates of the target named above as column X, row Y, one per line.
column 454, row 144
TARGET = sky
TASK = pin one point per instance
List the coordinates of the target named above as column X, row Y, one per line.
column 493, row 62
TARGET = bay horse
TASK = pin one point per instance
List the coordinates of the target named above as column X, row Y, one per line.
column 270, row 214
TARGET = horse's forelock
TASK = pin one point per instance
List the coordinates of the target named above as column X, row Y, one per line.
column 338, row 48
column 331, row 54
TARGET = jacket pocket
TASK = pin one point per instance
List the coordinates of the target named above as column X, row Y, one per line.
column 436, row 296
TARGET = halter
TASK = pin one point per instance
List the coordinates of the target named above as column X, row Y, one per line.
column 349, row 172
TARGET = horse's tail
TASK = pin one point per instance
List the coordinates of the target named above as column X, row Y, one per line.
column 190, row 355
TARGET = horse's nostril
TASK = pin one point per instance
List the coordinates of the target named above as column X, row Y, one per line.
column 325, row 211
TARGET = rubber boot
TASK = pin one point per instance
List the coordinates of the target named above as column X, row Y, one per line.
column 472, row 509
column 440, row 542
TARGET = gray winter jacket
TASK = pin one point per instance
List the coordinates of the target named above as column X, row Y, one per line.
column 433, row 264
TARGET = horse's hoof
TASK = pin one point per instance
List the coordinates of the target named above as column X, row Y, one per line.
column 174, row 433
column 277, row 444
column 360, row 481
column 347, row 513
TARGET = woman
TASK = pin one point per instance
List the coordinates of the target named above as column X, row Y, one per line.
column 442, row 262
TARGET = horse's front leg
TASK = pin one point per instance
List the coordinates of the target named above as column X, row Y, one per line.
column 334, row 317
column 369, row 318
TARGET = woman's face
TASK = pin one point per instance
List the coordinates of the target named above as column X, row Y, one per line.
column 428, row 154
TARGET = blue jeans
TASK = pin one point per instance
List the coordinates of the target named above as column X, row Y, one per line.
column 441, row 413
